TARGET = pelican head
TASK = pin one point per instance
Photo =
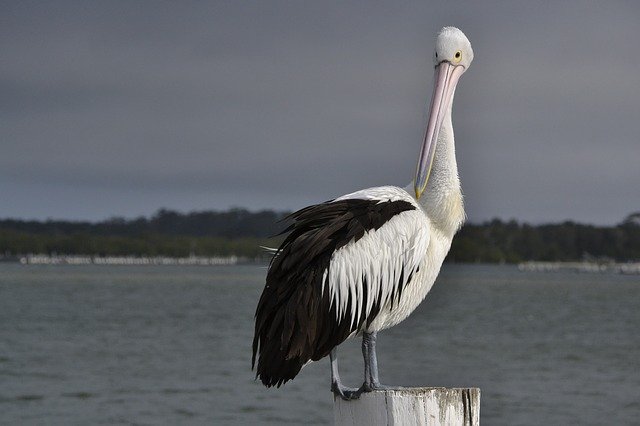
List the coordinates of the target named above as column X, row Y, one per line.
column 452, row 57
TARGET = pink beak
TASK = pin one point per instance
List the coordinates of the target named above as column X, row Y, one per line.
column 445, row 79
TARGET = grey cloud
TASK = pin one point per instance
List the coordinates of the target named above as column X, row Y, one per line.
column 278, row 104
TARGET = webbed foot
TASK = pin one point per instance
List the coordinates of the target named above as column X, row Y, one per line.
column 371, row 387
column 346, row 393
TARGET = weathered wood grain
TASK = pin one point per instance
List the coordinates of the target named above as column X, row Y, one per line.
column 411, row 406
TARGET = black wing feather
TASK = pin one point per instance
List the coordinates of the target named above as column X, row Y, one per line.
column 295, row 321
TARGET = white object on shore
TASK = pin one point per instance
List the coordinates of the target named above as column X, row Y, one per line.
column 411, row 406
column 583, row 267
column 45, row 259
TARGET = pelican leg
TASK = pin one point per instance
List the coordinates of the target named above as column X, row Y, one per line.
column 336, row 385
column 371, row 380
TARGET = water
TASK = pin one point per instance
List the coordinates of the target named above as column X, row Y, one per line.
column 171, row 345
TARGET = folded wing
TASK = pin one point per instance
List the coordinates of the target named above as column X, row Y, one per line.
column 341, row 263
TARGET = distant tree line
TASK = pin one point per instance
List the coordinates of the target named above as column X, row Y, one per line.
column 234, row 223
column 167, row 233
column 510, row 242
column 241, row 232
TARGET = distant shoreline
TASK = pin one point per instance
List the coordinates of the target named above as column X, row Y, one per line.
column 239, row 232
column 44, row 259
column 628, row 268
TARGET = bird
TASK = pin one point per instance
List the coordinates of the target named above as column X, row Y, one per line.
column 362, row 262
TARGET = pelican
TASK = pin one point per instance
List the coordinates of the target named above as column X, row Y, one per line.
column 361, row 263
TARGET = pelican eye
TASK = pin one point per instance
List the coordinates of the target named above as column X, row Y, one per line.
column 458, row 56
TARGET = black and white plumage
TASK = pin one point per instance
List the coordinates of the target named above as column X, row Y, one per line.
column 363, row 262
column 314, row 285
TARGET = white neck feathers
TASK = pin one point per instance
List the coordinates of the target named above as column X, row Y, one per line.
column 442, row 198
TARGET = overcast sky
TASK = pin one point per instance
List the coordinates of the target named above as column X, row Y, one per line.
column 111, row 108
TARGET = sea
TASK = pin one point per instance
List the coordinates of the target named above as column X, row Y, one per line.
column 156, row 345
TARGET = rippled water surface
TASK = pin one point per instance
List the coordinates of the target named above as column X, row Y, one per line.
column 171, row 345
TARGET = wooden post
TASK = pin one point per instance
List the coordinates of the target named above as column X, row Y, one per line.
column 411, row 406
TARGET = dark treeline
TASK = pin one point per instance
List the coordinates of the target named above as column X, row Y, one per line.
column 167, row 233
column 234, row 223
column 241, row 232
column 511, row 242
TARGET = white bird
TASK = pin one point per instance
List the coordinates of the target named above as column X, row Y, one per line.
column 363, row 262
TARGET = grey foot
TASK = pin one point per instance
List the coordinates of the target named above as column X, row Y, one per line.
column 371, row 387
column 349, row 394
column 346, row 393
